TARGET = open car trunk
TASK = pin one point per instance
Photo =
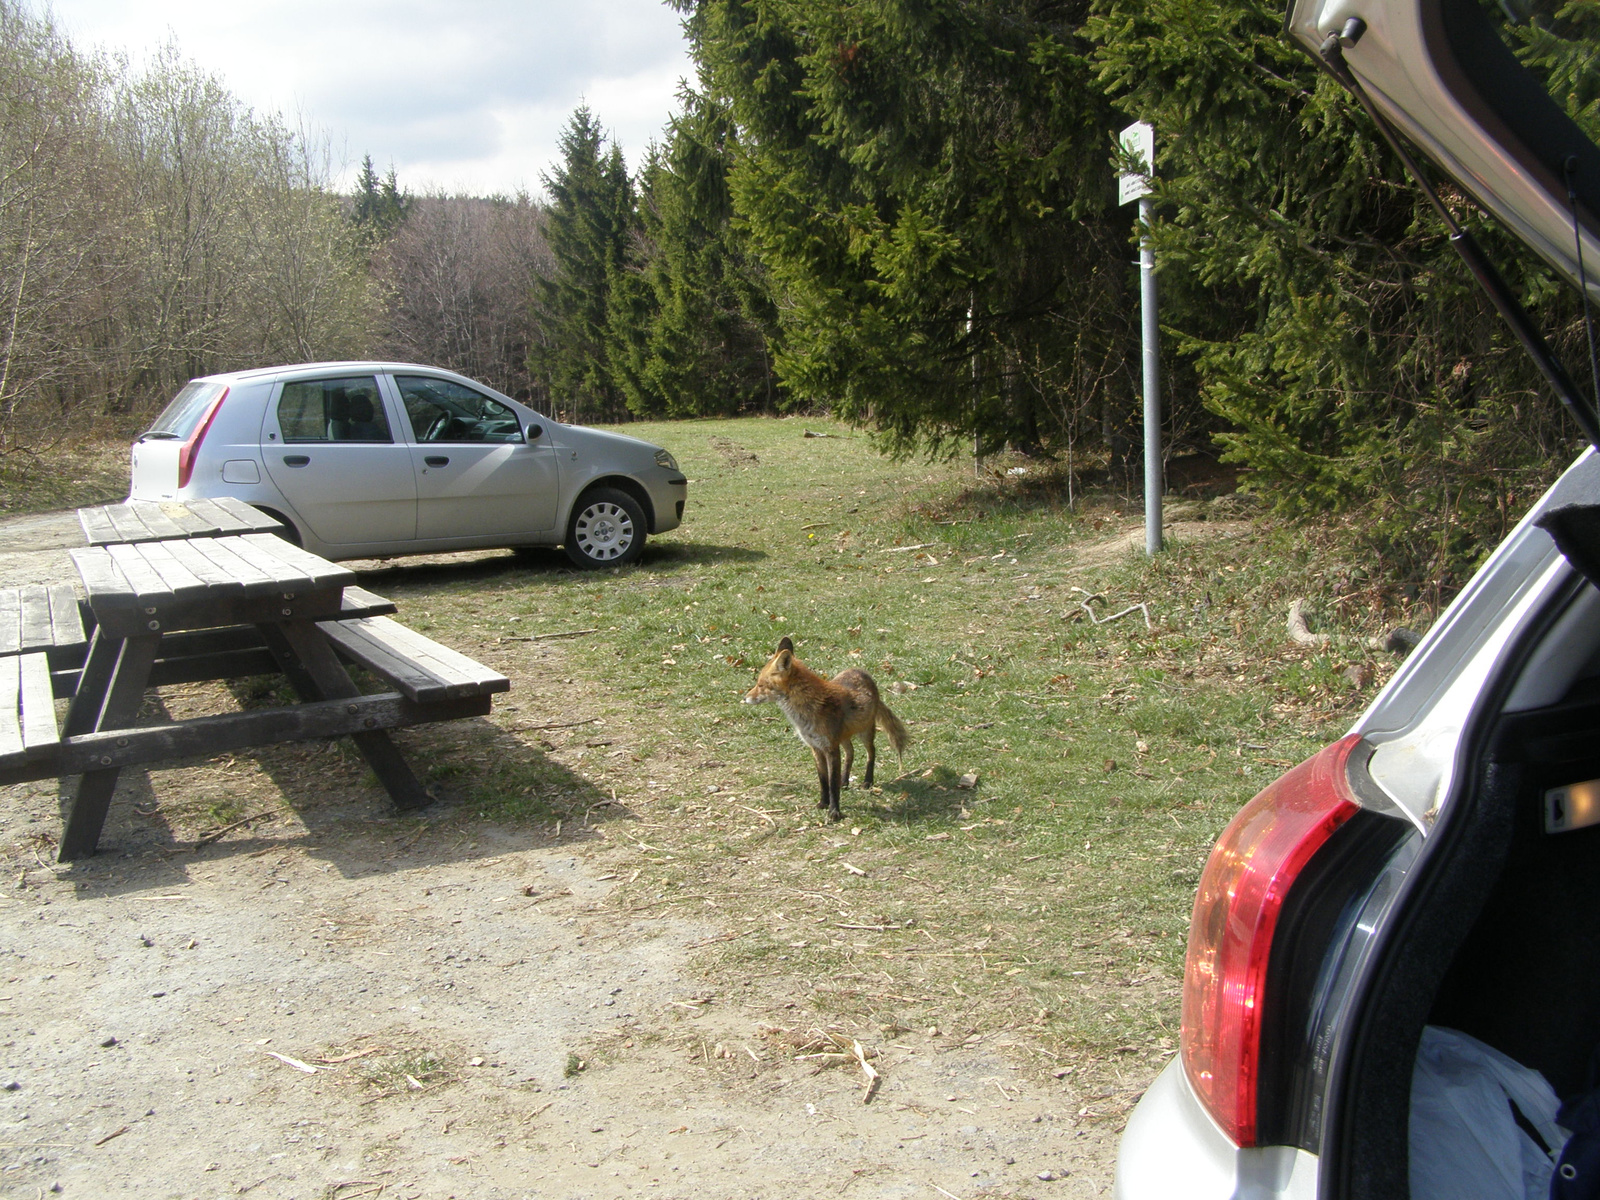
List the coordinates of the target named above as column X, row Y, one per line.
column 1526, row 978
column 1499, row 935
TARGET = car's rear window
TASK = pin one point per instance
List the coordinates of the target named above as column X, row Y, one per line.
column 1559, row 41
column 178, row 419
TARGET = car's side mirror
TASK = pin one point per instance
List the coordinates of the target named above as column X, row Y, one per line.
column 534, row 432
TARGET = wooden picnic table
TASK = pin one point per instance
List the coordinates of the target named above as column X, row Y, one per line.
column 214, row 607
column 161, row 520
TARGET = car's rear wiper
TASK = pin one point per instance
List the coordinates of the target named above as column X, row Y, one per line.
column 160, row 435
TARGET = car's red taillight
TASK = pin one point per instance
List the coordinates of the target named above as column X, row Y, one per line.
column 187, row 451
column 1242, row 891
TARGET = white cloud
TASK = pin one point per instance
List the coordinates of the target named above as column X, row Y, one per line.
column 460, row 94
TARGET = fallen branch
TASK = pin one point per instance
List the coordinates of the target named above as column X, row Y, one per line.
column 900, row 549
column 873, row 1078
column 218, row 834
column 1298, row 632
column 353, row 1054
column 559, row 725
column 293, row 1062
column 546, row 637
column 1139, row 608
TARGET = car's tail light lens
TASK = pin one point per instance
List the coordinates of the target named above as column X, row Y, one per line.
column 1242, row 890
column 191, row 447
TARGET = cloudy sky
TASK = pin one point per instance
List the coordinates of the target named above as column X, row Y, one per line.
column 465, row 95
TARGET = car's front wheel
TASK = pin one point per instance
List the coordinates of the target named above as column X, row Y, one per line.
column 607, row 529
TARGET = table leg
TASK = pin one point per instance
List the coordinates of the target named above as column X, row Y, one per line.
column 122, row 699
column 316, row 673
column 93, row 681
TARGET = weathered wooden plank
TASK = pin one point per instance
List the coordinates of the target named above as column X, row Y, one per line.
column 128, row 523
column 11, row 743
column 412, row 662
column 358, row 602
column 66, row 618
column 96, row 525
column 319, row 570
column 158, row 523
column 360, row 644
column 224, row 664
column 39, row 730
column 35, row 617
column 285, row 577
column 231, row 516
column 207, row 736
column 182, row 582
column 439, row 658
column 108, row 589
column 249, row 516
column 252, row 578
column 218, row 521
column 10, row 621
column 147, row 585
column 217, row 580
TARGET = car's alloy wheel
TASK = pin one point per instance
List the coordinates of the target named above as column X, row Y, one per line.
column 607, row 530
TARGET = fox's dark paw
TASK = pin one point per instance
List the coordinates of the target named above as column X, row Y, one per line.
column 835, row 815
column 822, row 804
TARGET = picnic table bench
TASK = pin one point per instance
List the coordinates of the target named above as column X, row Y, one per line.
column 219, row 606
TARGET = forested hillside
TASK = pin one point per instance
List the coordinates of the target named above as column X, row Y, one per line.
column 901, row 212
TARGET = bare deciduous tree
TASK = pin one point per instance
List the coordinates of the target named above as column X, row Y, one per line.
column 457, row 278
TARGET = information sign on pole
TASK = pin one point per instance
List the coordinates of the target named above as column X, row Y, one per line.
column 1139, row 142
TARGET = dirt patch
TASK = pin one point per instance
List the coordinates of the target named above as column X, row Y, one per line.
column 1112, row 549
column 330, row 1001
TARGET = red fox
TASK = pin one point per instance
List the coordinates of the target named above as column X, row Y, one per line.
column 828, row 714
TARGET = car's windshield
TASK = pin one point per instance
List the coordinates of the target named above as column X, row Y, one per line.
column 178, row 419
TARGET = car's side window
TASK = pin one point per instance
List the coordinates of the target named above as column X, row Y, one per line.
column 443, row 411
column 333, row 410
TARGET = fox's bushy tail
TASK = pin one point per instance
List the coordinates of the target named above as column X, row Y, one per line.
column 890, row 724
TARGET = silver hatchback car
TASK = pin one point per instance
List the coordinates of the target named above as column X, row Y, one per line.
column 1434, row 876
column 369, row 459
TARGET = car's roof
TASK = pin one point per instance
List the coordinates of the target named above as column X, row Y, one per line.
column 319, row 368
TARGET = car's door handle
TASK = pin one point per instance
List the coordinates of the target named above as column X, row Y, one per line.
column 296, row 460
column 437, row 460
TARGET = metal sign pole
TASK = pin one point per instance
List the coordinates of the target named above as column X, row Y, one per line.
column 1151, row 332
column 1139, row 142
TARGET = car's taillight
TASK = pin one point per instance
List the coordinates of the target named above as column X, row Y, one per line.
column 187, row 451
column 1242, row 889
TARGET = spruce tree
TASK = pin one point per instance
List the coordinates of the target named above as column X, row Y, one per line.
column 928, row 188
column 378, row 206
column 587, row 226
column 704, row 347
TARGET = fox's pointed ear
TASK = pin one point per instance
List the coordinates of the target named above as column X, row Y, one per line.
column 785, row 644
column 782, row 659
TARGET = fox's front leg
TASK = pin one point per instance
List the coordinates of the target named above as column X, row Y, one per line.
column 823, row 775
column 834, row 763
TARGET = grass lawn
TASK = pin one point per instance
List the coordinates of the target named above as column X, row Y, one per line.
column 1044, row 901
